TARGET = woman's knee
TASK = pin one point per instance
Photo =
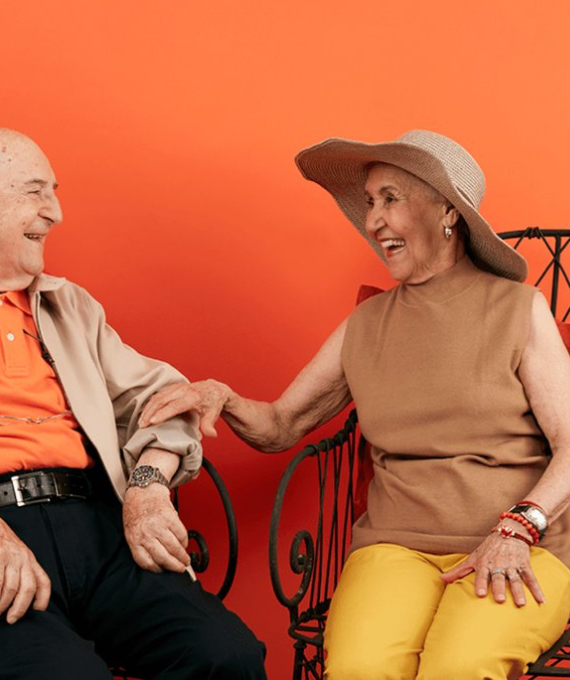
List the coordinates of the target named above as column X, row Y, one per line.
column 453, row 664
column 386, row 666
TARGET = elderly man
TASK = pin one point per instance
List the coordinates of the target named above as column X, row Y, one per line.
column 73, row 597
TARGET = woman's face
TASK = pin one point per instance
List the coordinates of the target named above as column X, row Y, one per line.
column 407, row 218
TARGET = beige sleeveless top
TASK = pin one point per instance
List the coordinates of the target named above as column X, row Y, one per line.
column 433, row 369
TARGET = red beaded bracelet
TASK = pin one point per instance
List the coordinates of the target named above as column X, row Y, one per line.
column 507, row 532
column 532, row 530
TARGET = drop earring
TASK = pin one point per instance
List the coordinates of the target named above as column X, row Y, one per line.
column 447, row 232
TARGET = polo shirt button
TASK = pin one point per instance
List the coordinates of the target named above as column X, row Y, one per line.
column 1, row 302
column 10, row 336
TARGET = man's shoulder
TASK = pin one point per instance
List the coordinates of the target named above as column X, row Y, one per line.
column 62, row 293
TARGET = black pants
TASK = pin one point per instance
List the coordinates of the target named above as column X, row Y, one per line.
column 105, row 610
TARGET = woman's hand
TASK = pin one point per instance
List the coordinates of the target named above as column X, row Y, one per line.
column 499, row 560
column 206, row 399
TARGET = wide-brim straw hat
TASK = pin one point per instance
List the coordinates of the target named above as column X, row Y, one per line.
column 340, row 166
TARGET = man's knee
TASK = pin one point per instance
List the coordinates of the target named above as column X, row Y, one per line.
column 222, row 653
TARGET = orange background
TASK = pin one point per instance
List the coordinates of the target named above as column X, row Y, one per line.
column 172, row 127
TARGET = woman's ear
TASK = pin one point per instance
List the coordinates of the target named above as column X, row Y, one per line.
column 451, row 215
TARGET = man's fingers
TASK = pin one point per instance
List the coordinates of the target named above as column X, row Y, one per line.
column 24, row 596
column 43, row 589
column 10, row 585
column 164, row 559
column 144, row 559
column 174, row 548
column 180, row 532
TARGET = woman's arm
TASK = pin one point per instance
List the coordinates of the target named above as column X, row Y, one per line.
column 317, row 394
column 545, row 374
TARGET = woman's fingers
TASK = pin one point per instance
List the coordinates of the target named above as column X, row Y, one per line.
column 164, row 400
column 498, row 584
column 457, row 573
column 482, row 582
column 516, row 586
column 527, row 575
column 206, row 399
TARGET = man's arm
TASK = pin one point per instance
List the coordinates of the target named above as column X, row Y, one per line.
column 131, row 379
column 156, row 536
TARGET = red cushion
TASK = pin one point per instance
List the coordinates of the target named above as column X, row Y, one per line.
column 365, row 470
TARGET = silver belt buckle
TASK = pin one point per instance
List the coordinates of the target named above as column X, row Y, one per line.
column 18, row 492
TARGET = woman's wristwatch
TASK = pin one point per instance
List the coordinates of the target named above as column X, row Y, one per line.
column 533, row 514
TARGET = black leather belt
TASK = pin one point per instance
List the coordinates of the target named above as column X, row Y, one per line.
column 43, row 487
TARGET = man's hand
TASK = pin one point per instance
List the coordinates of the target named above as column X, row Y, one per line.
column 156, row 536
column 22, row 580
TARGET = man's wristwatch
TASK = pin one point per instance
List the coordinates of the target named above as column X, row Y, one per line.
column 533, row 514
column 144, row 475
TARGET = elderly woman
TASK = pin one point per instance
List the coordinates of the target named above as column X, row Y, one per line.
column 459, row 567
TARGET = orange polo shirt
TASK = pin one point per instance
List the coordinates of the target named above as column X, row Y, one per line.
column 30, row 389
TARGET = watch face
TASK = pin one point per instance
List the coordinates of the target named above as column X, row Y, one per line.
column 143, row 475
column 536, row 517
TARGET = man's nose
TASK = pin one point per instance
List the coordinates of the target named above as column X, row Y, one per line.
column 51, row 210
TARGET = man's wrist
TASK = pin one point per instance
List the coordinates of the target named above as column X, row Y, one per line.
column 145, row 475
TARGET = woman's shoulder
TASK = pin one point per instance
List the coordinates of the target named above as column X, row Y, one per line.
column 507, row 287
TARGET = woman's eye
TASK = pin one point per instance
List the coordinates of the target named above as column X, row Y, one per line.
column 388, row 199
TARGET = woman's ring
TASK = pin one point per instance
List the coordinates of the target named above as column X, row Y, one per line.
column 498, row 570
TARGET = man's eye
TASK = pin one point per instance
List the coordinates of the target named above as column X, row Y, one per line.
column 389, row 199
column 35, row 191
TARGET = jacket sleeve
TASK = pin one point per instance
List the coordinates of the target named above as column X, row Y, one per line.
column 131, row 379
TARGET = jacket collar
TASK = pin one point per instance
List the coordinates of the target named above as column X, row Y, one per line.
column 44, row 283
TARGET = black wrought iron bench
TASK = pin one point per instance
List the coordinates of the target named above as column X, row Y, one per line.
column 327, row 476
column 202, row 556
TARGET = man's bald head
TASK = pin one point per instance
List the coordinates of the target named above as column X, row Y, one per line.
column 28, row 208
column 12, row 143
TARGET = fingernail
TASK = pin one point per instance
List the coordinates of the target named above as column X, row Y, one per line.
column 480, row 592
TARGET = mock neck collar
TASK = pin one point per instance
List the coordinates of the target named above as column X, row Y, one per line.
column 443, row 286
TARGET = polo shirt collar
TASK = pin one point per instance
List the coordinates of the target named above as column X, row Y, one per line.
column 19, row 298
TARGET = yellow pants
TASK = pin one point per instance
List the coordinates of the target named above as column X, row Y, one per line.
column 392, row 617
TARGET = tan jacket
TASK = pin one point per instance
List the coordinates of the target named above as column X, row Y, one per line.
column 107, row 383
